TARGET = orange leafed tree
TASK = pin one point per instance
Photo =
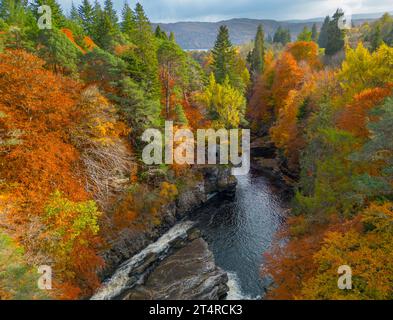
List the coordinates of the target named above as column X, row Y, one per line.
column 355, row 116
column 42, row 108
column 70, row 37
column 260, row 107
column 306, row 52
column 285, row 133
column 289, row 76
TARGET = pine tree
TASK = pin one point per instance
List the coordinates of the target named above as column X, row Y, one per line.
column 58, row 18
column 305, row 35
column 143, row 38
column 74, row 15
column 323, row 36
column 282, row 36
column 335, row 37
column 128, row 18
column 111, row 14
column 172, row 37
column 160, row 34
column 258, row 53
column 376, row 39
column 14, row 12
column 96, row 21
column 86, row 15
column 314, row 33
column 223, row 55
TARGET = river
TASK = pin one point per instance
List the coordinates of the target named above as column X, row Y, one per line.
column 240, row 230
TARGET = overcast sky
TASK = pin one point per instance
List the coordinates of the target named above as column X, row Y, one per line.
column 216, row 10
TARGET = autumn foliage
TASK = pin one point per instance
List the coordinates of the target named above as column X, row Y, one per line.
column 335, row 126
column 355, row 116
column 39, row 174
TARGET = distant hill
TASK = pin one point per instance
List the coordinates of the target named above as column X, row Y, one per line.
column 201, row 35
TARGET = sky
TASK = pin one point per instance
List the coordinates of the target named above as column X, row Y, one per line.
column 216, row 10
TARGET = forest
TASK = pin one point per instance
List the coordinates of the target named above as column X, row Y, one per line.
column 75, row 99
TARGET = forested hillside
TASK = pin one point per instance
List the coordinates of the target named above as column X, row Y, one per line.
column 74, row 102
column 330, row 116
column 76, row 98
column 201, row 35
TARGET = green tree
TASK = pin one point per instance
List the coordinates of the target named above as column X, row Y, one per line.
column 172, row 62
column 323, row 35
column 378, row 153
column 146, row 55
column 335, row 38
column 106, row 31
column 58, row 18
column 111, row 14
column 86, row 15
column 128, row 19
column 225, row 104
column 314, row 33
column 99, row 66
column 18, row 23
column 74, row 14
column 223, row 55
column 305, row 35
column 14, row 12
column 61, row 55
column 140, row 111
column 282, row 36
column 160, row 34
column 18, row 280
column 333, row 189
column 376, row 39
column 172, row 36
column 257, row 57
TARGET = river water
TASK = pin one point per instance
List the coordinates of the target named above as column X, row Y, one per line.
column 240, row 230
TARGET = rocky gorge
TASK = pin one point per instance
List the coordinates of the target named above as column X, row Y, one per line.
column 171, row 260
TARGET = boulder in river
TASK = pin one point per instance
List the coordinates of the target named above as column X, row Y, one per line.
column 188, row 274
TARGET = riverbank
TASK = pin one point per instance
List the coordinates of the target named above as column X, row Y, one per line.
column 237, row 226
column 130, row 243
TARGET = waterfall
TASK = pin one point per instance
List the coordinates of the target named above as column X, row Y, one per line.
column 121, row 279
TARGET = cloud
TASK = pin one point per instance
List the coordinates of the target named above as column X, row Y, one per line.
column 215, row 10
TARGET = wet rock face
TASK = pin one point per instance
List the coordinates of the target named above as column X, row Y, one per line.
column 191, row 199
column 219, row 180
column 130, row 242
column 189, row 273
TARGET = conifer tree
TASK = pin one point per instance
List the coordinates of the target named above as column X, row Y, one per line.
column 74, row 14
column 376, row 39
column 128, row 19
column 305, row 35
column 111, row 14
column 258, row 53
column 58, row 18
column 86, row 14
column 282, row 36
column 13, row 12
column 160, row 34
column 223, row 55
column 335, row 38
column 172, row 37
column 143, row 38
column 314, row 33
column 323, row 35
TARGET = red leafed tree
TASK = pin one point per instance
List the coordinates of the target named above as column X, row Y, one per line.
column 306, row 52
column 289, row 76
column 355, row 116
column 260, row 107
column 40, row 109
